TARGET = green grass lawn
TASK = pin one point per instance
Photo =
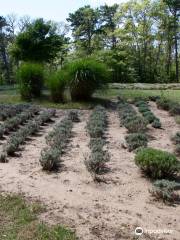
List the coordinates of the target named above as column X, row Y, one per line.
column 132, row 93
column 19, row 221
column 11, row 95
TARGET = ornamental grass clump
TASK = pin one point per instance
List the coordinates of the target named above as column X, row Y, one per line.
column 84, row 76
column 157, row 164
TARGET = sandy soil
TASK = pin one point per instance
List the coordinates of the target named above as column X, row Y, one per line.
column 104, row 211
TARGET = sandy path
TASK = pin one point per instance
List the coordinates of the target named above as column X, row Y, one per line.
column 162, row 137
column 96, row 211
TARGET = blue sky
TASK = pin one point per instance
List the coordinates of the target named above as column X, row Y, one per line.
column 56, row 10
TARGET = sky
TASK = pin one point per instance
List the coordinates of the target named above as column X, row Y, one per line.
column 56, row 10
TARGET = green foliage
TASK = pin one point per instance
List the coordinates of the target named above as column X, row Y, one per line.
column 176, row 138
column 164, row 190
column 85, row 76
column 73, row 116
column 147, row 114
column 163, row 104
column 3, row 157
column 177, row 150
column 136, row 124
column 31, row 78
column 156, row 123
column 57, row 82
column 30, row 128
column 95, row 163
column 136, row 140
column 130, row 119
column 49, row 159
column 156, row 163
column 38, row 43
column 84, row 26
column 57, row 140
column 97, row 122
column 174, row 109
column 96, row 126
column 164, row 183
column 23, row 221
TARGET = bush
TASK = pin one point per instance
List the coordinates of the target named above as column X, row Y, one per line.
column 85, row 76
column 57, row 83
column 156, row 163
column 96, row 161
column 177, row 150
column 149, row 116
column 135, row 124
column 49, row 159
column 31, row 78
column 154, row 98
column 3, row 157
column 163, row 104
column 176, row 138
column 10, row 148
column 175, row 109
column 73, row 116
column 97, row 122
column 164, row 183
column 164, row 189
column 136, row 140
column 156, row 123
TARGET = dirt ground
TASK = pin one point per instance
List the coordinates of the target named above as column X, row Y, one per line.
column 110, row 210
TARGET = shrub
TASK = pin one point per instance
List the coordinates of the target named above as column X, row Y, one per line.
column 96, row 143
column 177, row 150
column 96, row 161
column 163, row 104
column 30, row 77
column 156, row 123
column 3, row 157
column 10, row 148
column 97, row 122
column 85, row 76
column 136, row 140
column 156, row 163
column 177, row 118
column 149, row 116
column 143, row 109
column 49, row 159
column 164, row 183
column 2, row 131
column 73, row 116
column 154, row 98
column 136, row 124
column 164, row 189
column 57, row 83
column 174, row 109
column 176, row 138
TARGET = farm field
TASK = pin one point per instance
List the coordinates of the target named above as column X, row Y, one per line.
column 110, row 207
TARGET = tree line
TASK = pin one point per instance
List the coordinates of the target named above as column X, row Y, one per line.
column 138, row 40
